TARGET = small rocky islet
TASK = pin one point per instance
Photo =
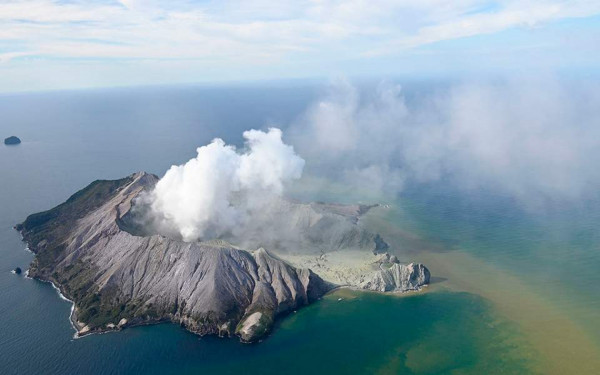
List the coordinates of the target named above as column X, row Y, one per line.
column 117, row 277
column 12, row 140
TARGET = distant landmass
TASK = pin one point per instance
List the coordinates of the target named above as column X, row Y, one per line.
column 12, row 140
column 117, row 276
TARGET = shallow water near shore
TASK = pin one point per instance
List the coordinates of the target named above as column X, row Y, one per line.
column 513, row 291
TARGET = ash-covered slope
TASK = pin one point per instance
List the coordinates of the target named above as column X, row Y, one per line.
column 295, row 227
column 118, row 279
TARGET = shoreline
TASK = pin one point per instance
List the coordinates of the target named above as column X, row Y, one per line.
column 342, row 269
column 335, row 289
column 54, row 286
column 395, row 294
column 62, row 296
column 77, row 334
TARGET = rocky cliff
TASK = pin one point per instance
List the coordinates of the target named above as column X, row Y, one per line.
column 398, row 277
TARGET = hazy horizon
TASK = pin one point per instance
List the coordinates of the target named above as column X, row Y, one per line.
column 51, row 44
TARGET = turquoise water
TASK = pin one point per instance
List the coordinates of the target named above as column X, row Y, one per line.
column 555, row 250
column 70, row 139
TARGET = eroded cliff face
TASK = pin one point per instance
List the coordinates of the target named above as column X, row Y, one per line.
column 90, row 248
column 398, row 277
column 117, row 279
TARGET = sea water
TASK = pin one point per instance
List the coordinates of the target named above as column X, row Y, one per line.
column 514, row 291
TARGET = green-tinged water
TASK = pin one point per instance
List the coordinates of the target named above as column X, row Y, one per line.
column 554, row 250
column 515, row 291
column 537, row 268
column 368, row 333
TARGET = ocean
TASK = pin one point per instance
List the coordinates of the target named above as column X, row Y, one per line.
column 514, row 290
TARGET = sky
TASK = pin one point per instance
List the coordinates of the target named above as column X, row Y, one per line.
column 62, row 44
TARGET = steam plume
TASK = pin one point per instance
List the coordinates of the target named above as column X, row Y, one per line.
column 533, row 139
column 214, row 192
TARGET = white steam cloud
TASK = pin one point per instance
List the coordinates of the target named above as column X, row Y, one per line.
column 532, row 139
column 216, row 191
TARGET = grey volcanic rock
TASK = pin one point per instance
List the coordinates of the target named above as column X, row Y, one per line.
column 17, row 271
column 117, row 279
column 398, row 278
column 12, row 140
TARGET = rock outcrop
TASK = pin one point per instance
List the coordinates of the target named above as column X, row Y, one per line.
column 117, row 279
column 364, row 270
column 12, row 140
column 398, row 278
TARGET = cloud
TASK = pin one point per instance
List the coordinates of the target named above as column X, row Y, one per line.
column 505, row 15
column 257, row 30
column 534, row 139
column 215, row 192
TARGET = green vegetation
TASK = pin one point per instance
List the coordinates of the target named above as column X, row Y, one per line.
column 45, row 232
